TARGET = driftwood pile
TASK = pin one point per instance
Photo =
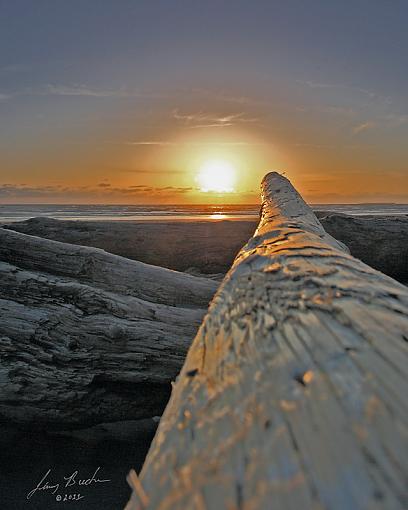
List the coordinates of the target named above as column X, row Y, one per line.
column 88, row 337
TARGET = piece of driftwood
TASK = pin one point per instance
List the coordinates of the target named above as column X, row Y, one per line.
column 379, row 241
column 88, row 337
column 293, row 392
column 207, row 246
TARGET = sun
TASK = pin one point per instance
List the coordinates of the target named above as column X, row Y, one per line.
column 216, row 175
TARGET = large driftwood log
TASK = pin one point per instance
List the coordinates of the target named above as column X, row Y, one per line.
column 89, row 337
column 293, row 392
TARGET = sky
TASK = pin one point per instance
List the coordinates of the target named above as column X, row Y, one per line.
column 126, row 101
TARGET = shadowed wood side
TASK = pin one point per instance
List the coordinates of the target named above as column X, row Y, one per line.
column 292, row 395
column 105, row 270
column 88, row 337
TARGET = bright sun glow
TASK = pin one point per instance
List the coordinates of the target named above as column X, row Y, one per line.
column 216, row 175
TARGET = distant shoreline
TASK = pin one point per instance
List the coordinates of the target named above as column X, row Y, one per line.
column 176, row 213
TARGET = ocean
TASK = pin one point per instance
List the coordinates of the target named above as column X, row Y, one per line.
column 20, row 212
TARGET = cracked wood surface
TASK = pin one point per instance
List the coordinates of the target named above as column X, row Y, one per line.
column 293, row 392
column 88, row 337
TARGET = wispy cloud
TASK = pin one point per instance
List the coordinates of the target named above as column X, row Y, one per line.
column 338, row 110
column 228, row 98
column 316, row 145
column 364, row 126
column 22, row 191
column 80, row 91
column 351, row 88
column 396, row 120
column 208, row 120
column 62, row 90
column 168, row 143
column 150, row 172
column 319, row 85
column 379, row 108
column 83, row 90
column 162, row 143
column 352, row 146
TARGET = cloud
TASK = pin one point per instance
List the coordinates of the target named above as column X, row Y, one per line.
column 151, row 172
column 207, row 120
column 389, row 121
column 316, row 145
column 333, row 146
column 364, row 127
column 319, row 85
column 396, row 120
column 85, row 91
column 380, row 107
column 338, row 110
column 152, row 142
column 367, row 92
column 82, row 90
column 22, row 191
column 61, row 90
column 165, row 143
column 228, row 98
column 174, row 189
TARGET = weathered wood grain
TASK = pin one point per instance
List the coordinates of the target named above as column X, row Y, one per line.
column 293, row 393
column 88, row 337
column 105, row 270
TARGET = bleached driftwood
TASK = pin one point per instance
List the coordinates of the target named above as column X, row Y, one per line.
column 293, row 392
column 89, row 337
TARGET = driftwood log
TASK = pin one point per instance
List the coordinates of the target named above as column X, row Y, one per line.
column 88, row 337
column 207, row 246
column 379, row 241
column 293, row 392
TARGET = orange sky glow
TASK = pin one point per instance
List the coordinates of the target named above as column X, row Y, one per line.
column 164, row 167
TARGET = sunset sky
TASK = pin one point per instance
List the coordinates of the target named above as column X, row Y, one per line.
column 127, row 101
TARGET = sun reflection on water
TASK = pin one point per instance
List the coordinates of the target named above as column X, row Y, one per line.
column 218, row 216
